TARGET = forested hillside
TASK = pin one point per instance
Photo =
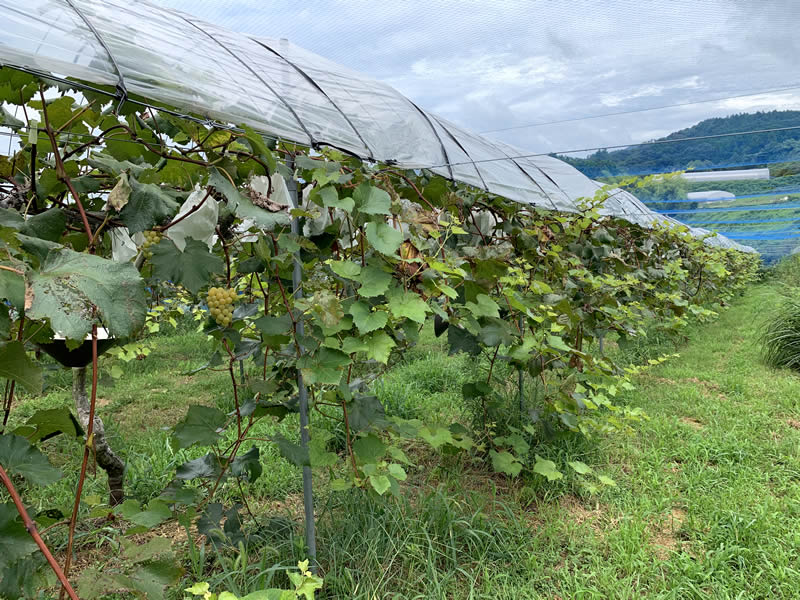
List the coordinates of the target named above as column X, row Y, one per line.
column 732, row 150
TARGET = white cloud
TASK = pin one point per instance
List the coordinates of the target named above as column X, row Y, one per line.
column 504, row 63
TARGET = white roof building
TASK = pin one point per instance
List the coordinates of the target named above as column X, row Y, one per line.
column 726, row 175
column 710, row 195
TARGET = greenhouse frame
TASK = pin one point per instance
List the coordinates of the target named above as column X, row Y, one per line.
column 148, row 54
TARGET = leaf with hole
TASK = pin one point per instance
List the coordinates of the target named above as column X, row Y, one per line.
column 70, row 283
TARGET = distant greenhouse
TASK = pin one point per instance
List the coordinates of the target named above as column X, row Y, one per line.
column 710, row 195
column 726, row 175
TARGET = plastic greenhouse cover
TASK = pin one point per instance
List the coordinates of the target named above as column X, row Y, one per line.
column 282, row 90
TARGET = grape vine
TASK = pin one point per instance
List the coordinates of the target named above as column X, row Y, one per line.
column 104, row 205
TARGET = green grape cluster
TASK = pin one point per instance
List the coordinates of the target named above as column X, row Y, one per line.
column 220, row 304
column 151, row 238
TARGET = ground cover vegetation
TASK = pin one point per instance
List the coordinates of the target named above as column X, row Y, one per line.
column 130, row 220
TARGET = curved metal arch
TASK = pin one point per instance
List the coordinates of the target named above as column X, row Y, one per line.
column 310, row 80
column 464, row 150
column 255, row 74
column 438, row 138
column 121, row 87
column 528, row 175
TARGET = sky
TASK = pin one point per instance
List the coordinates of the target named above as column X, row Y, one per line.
column 499, row 64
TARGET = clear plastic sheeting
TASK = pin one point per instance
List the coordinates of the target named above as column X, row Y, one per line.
column 281, row 90
column 50, row 36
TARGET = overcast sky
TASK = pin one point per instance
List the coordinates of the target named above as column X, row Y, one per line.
column 494, row 64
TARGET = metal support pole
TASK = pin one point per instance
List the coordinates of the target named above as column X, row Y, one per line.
column 520, row 377
column 297, row 291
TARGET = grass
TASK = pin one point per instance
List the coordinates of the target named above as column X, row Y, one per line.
column 781, row 338
column 706, row 504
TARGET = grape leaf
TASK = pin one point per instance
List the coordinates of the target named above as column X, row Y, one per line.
column 324, row 366
column 69, row 283
column 547, row 468
column 374, row 281
column 6, row 118
column 12, row 288
column 191, row 268
column 372, row 200
column 247, row 465
column 397, row 471
column 437, row 437
column 379, row 346
column 148, row 205
column 5, row 322
column 484, row 306
column 18, row 456
column 580, row 467
column 15, row 541
column 45, row 424
column 367, row 320
column 15, row 364
column 294, row 453
column 380, row 483
column 205, row 466
column 354, row 344
column 157, row 511
column 330, row 199
column 461, row 340
column 405, row 304
column 48, row 225
column 606, row 480
column 201, row 426
column 505, row 462
column 383, row 238
column 369, row 449
column 345, row 268
column 243, row 206
column 556, row 342
column 364, row 412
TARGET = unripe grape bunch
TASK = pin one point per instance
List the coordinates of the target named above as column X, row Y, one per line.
column 220, row 304
column 151, row 238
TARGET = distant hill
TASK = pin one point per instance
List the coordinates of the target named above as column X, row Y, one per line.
column 734, row 150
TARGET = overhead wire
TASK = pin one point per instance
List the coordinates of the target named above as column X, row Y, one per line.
column 641, row 110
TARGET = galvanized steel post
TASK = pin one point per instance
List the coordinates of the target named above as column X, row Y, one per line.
column 297, row 292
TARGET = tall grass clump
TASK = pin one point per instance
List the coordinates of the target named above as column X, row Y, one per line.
column 787, row 271
column 781, row 337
